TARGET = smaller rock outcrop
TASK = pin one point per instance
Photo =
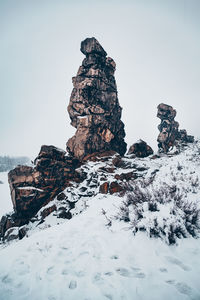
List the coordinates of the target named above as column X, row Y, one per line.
column 34, row 187
column 169, row 135
column 140, row 149
column 94, row 108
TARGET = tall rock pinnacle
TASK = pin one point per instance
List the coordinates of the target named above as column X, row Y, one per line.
column 169, row 134
column 94, row 107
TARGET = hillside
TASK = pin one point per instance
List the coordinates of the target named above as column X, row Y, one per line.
column 88, row 258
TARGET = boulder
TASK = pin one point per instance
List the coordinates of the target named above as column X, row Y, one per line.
column 104, row 188
column 94, row 108
column 140, row 149
column 115, row 187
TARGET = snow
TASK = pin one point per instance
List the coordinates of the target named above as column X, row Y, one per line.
column 5, row 199
column 85, row 258
column 82, row 117
column 30, row 188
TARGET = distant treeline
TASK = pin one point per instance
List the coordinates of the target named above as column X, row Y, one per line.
column 8, row 163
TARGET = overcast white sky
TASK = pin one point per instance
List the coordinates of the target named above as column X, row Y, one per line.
column 155, row 44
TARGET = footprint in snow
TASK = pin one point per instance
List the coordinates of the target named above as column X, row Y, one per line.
column 97, row 279
column 65, row 272
column 170, row 281
column 139, row 275
column 108, row 273
column 177, row 262
column 135, row 269
column 163, row 270
column 114, row 257
column 72, row 284
column 123, row 272
column 6, row 279
column 51, row 270
column 84, row 253
column 126, row 273
column 108, row 296
column 64, row 248
column 182, row 287
column 80, row 274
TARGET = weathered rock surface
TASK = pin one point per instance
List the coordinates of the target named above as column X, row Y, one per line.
column 140, row 149
column 94, row 107
column 169, row 134
column 34, row 187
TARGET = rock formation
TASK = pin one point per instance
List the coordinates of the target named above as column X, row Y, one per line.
column 169, row 134
column 34, row 187
column 140, row 149
column 94, row 107
column 93, row 166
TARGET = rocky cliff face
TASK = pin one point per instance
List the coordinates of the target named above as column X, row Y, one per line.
column 169, row 134
column 94, row 107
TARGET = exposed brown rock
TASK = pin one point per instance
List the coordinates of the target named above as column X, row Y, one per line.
column 47, row 211
column 33, row 187
column 140, row 149
column 126, row 176
column 104, row 188
column 94, row 107
column 118, row 162
column 184, row 137
column 107, row 169
column 99, row 156
column 115, row 187
column 169, row 134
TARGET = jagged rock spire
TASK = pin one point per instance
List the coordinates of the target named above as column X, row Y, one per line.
column 169, row 134
column 94, row 107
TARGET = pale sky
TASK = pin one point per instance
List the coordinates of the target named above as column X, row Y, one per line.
column 155, row 44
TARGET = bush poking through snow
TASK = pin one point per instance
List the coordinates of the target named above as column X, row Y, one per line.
column 160, row 211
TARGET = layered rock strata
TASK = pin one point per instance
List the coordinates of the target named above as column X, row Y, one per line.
column 34, row 187
column 94, row 108
column 31, row 188
column 169, row 134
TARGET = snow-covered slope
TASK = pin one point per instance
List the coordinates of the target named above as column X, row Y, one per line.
column 96, row 256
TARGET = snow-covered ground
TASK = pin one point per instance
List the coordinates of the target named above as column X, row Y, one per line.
column 85, row 259
column 5, row 199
